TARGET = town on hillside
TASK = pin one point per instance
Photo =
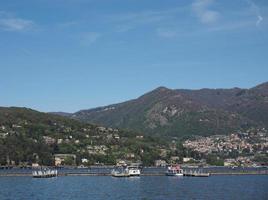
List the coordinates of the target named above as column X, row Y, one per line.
column 96, row 145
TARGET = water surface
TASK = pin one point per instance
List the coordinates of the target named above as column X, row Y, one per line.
column 145, row 187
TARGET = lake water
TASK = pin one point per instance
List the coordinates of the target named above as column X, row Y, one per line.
column 145, row 187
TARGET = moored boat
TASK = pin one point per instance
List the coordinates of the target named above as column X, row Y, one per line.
column 123, row 172
column 174, row 170
column 134, row 171
column 44, row 173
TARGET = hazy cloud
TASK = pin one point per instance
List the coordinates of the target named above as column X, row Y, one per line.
column 11, row 23
column 203, row 12
column 256, row 10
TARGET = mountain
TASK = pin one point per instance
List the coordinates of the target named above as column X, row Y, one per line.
column 251, row 103
column 183, row 112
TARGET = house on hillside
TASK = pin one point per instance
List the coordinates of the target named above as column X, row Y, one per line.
column 65, row 159
column 49, row 140
column 160, row 163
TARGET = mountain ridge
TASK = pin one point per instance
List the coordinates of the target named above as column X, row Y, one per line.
column 178, row 112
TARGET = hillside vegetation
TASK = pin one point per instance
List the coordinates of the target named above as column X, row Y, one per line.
column 28, row 136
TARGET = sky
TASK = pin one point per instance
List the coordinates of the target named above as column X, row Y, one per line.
column 67, row 55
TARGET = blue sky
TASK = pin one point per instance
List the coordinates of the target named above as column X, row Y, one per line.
column 67, row 55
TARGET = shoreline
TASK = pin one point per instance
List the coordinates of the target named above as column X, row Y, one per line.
column 160, row 174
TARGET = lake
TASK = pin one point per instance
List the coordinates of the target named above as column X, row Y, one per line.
column 144, row 187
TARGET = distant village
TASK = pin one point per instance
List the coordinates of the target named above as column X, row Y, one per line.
column 237, row 149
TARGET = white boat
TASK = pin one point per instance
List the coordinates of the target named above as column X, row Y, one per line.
column 120, row 172
column 126, row 171
column 174, row 170
column 134, row 171
column 45, row 173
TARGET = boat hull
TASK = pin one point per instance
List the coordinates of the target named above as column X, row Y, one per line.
column 172, row 174
column 197, row 174
column 44, row 176
column 120, row 175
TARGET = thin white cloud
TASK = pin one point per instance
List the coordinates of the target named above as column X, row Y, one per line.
column 260, row 18
column 10, row 23
column 89, row 38
column 203, row 12
column 256, row 10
